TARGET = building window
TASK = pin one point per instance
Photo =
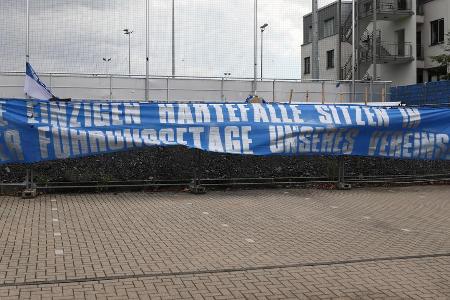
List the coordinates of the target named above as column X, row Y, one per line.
column 437, row 32
column 310, row 34
column 330, row 59
column 402, row 5
column 307, row 64
column 328, row 28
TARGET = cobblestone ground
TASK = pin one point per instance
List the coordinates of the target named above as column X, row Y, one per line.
column 261, row 244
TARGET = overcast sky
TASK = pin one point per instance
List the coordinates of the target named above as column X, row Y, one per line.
column 212, row 36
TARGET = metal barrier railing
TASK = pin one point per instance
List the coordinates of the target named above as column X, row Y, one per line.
column 191, row 89
column 384, row 6
column 218, row 170
column 387, row 51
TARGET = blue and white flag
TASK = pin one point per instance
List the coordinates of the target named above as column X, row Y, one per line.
column 34, row 87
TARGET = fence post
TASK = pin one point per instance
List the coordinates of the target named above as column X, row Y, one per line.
column 195, row 187
column 351, row 92
column 366, row 95
column 341, row 185
column 30, row 188
column 323, row 92
column 273, row 91
column 167, row 89
column 110, row 88
column 222, row 96
column 290, row 96
column 371, row 91
column 426, row 93
column 27, row 177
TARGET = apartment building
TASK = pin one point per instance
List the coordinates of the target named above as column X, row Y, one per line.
column 403, row 35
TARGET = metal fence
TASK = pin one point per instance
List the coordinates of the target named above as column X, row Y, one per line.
column 435, row 93
column 212, row 89
column 208, row 38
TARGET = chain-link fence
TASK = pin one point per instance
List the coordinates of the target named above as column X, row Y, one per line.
column 210, row 37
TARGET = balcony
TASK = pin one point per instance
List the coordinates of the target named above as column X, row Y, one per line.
column 389, row 10
column 388, row 53
column 420, row 11
column 420, row 14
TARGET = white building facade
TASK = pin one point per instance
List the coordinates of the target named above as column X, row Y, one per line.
column 408, row 33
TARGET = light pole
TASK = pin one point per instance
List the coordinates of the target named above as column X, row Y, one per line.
column 263, row 28
column 255, row 42
column 107, row 61
column 173, row 38
column 354, row 53
column 147, row 48
column 128, row 32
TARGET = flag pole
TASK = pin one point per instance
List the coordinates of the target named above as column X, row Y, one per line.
column 29, row 170
column 27, row 50
column 27, row 55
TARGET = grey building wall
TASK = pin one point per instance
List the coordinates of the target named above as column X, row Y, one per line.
column 325, row 13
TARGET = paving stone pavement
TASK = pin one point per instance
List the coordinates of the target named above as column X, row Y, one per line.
column 253, row 244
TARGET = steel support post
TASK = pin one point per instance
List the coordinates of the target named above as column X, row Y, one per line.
column 341, row 185
column 323, row 92
column 110, row 88
column 30, row 188
column 222, row 95
column 273, row 91
column 167, row 90
column 195, row 187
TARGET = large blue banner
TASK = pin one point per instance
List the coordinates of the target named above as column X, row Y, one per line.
column 33, row 131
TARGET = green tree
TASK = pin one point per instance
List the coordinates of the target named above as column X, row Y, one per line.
column 444, row 59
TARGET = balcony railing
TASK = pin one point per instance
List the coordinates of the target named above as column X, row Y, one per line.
column 395, row 50
column 387, row 52
column 420, row 10
column 384, row 6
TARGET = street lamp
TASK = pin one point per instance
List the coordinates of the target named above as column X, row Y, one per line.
column 107, row 61
column 263, row 28
column 128, row 32
column 255, row 46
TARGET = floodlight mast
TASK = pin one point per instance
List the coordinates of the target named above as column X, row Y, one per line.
column 255, row 46
column 263, row 28
column 128, row 32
